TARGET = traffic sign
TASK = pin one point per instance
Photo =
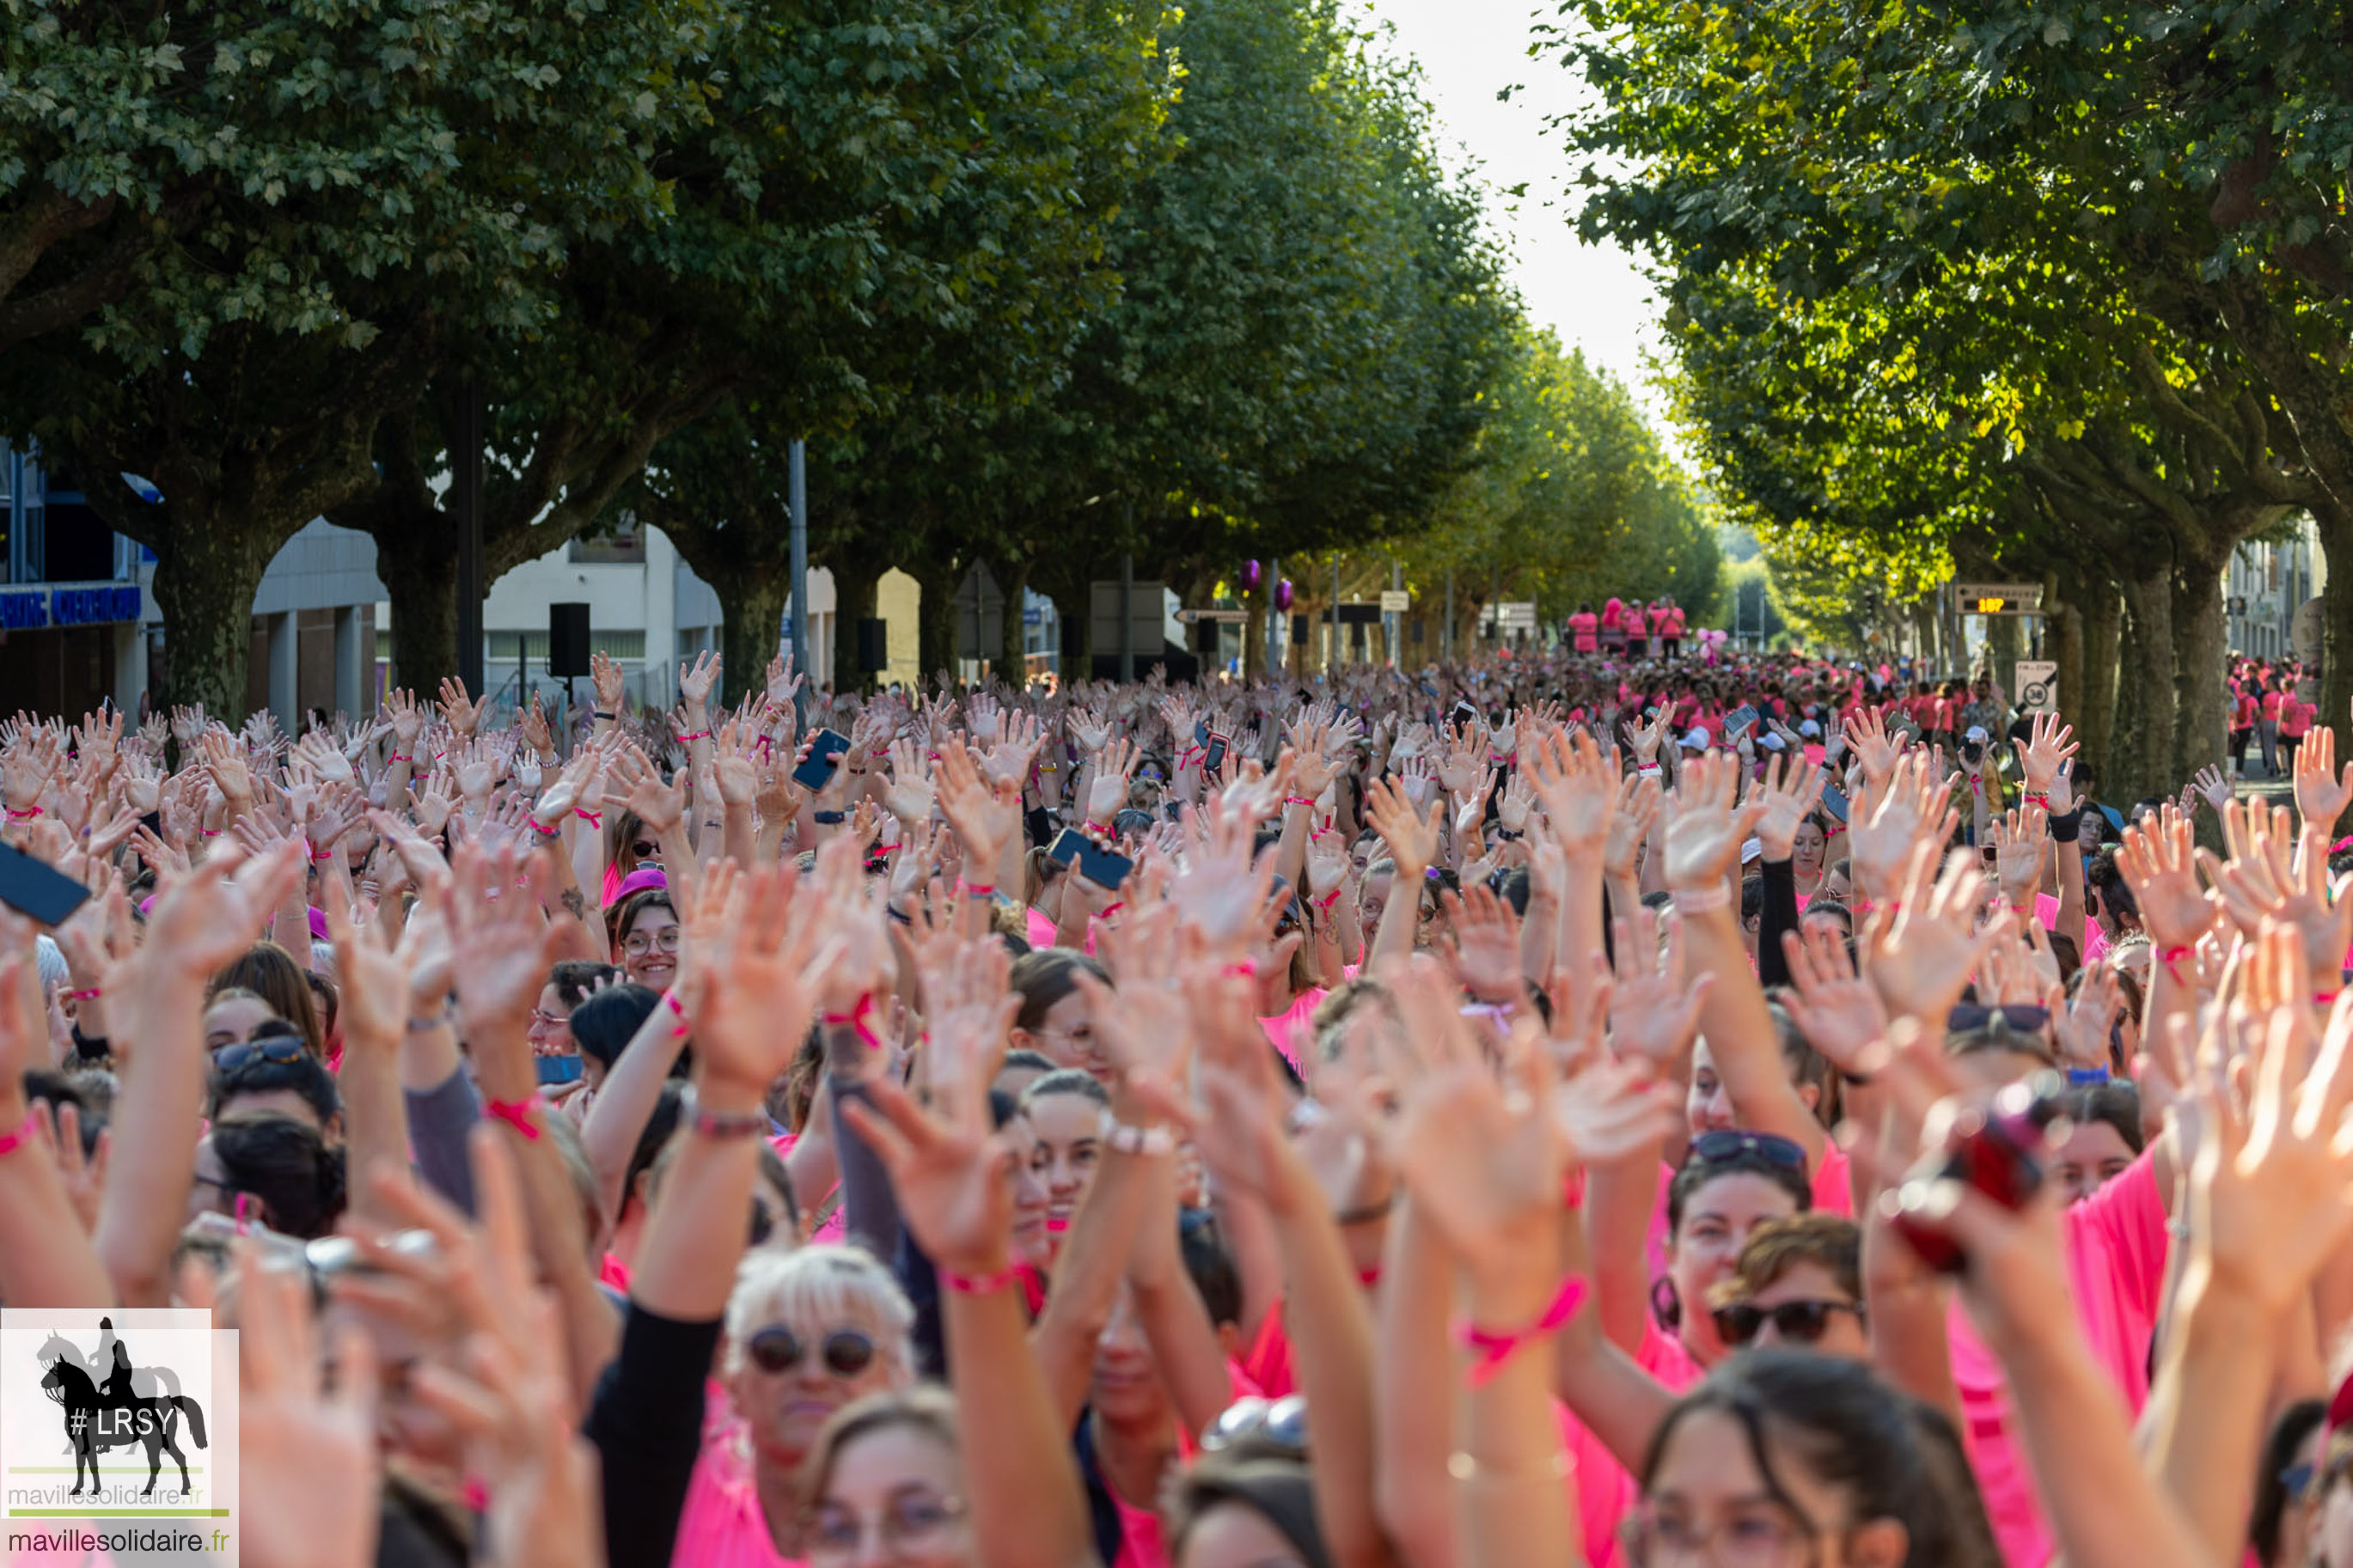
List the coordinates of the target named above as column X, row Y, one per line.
column 1396, row 601
column 1516, row 614
column 2000, row 598
column 2038, row 684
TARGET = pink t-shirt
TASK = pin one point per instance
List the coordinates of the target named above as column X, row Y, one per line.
column 1666, row 1358
column 1583, row 633
column 1140, row 1545
column 1604, row 1488
column 723, row 1524
column 1289, row 1029
column 2116, row 1262
column 1040, row 927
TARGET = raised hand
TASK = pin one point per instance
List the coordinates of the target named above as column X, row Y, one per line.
column 733, row 776
column 407, row 720
column 753, row 964
column 1921, row 949
column 2020, row 838
column 372, row 976
column 694, row 684
column 463, row 713
column 1645, row 736
column 2321, row 794
column 1107, row 793
column 1222, row 892
column 1653, row 1011
column 2263, row 879
column 318, row 1442
column 1411, row 836
column 1786, row 803
column 658, row 804
column 986, row 817
column 502, row 946
column 2087, row 1034
column 782, row 684
column 1866, row 731
column 531, row 724
column 1837, row 1010
column 201, row 922
column 606, row 676
column 2157, row 865
column 1485, row 956
column 2049, row 744
column 2214, row 787
column 1704, row 830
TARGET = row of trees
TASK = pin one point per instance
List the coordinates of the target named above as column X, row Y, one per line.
column 2056, row 291
column 1041, row 281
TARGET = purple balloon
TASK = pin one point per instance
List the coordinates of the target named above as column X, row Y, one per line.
column 1252, row 575
column 1282, row 592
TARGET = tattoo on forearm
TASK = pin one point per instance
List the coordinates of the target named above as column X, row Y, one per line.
column 573, row 900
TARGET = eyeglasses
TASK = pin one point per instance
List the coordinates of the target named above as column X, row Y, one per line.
column 909, row 1522
column 1798, row 1323
column 638, row 947
column 1753, row 1537
column 279, row 1048
column 1722, row 1148
column 2022, row 1019
column 541, row 1019
column 774, row 1349
column 1273, row 1423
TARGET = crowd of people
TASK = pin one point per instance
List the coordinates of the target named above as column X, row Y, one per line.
column 1606, row 1105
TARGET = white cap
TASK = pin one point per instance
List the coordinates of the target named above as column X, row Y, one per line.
column 1771, row 742
column 1810, row 728
column 1697, row 740
column 1750, row 848
column 1976, row 735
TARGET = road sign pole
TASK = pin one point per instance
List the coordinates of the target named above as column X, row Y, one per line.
column 796, row 497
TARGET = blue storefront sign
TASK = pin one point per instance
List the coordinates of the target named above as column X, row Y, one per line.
column 68, row 607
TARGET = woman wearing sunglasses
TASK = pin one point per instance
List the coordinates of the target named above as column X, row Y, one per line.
column 1798, row 1284
column 807, row 1333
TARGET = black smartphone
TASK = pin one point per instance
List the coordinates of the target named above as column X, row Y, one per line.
column 37, row 889
column 1097, row 865
column 558, row 1070
column 1465, row 713
column 1215, row 756
column 816, row 769
column 1834, row 801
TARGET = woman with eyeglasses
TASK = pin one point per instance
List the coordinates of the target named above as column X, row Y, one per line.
column 2279, row 1527
column 808, row 1332
column 648, row 931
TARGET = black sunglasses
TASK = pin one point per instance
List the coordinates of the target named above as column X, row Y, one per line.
column 2019, row 1019
column 1798, row 1322
column 281, row 1048
column 1723, row 1147
column 645, row 848
column 776, row 1348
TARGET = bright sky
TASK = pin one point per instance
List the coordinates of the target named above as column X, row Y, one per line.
column 1595, row 299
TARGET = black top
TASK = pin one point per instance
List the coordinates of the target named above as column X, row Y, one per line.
column 647, row 1424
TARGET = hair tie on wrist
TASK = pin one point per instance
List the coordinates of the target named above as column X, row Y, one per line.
column 517, row 1114
column 979, row 1284
column 856, row 1020
column 87, row 994
column 1493, row 1348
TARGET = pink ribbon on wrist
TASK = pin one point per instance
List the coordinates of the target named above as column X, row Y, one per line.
column 1492, row 1348
column 517, row 1114
column 856, row 1019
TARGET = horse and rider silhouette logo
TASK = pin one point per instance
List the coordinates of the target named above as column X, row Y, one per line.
column 108, row 1402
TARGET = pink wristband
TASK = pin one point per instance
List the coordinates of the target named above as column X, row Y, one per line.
column 694, row 735
column 977, row 890
column 593, row 819
column 979, row 1284
column 1491, row 1349
column 87, row 994
column 678, row 1011
column 856, row 1020
column 517, row 1114
column 396, row 757
column 30, row 811
column 26, row 1131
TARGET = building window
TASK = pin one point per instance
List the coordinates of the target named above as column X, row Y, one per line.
column 623, row 545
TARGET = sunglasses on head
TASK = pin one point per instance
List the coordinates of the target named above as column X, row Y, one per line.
column 281, row 1048
column 1269, row 1423
column 1797, row 1322
column 774, row 1349
column 1726, row 1145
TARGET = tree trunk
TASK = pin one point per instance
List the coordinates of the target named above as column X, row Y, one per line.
column 2004, row 643
column 205, row 578
column 2140, row 753
column 2335, row 525
column 935, row 619
column 2062, row 643
column 423, row 588
column 1012, row 654
column 2094, row 710
column 856, row 595
column 752, row 604
column 1257, row 602
column 2200, row 642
